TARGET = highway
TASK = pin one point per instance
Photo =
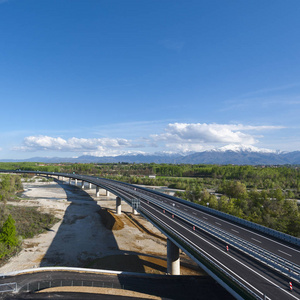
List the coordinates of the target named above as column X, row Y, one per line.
column 256, row 266
column 259, row 278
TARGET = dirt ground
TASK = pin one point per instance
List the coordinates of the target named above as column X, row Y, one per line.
column 105, row 291
column 81, row 239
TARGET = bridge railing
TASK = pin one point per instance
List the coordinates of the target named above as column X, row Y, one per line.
column 274, row 233
column 279, row 235
column 211, row 266
column 8, row 287
column 274, row 261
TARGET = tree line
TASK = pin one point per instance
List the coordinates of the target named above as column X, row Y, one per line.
column 266, row 195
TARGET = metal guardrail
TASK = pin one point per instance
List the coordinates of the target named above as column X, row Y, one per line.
column 128, row 195
column 272, row 260
column 276, row 262
column 46, row 284
column 282, row 236
column 181, row 240
column 8, row 287
column 274, row 233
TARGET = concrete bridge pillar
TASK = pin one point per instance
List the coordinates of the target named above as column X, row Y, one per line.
column 107, row 193
column 97, row 191
column 57, row 177
column 82, row 184
column 173, row 260
column 70, row 180
column 118, row 205
column 134, row 211
column 90, row 185
column 75, row 181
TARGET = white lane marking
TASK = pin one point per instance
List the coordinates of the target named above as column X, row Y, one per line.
column 283, row 290
column 185, row 209
column 205, row 218
column 285, row 253
column 235, row 230
column 254, row 233
column 255, row 240
column 212, row 257
column 194, row 213
column 218, row 223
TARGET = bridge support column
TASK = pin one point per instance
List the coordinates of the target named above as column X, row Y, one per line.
column 70, row 180
column 107, row 193
column 118, row 205
column 173, row 260
column 82, row 184
column 97, row 191
column 134, row 211
column 57, row 177
column 76, row 182
column 90, row 185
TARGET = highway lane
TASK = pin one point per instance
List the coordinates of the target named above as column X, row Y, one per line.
column 256, row 276
column 250, row 272
column 262, row 277
column 289, row 252
column 286, row 251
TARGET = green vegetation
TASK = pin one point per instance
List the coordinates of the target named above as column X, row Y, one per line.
column 8, row 236
column 17, row 223
column 266, row 195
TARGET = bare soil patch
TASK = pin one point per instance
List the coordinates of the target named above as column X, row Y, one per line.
column 109, row 220
column 106, row 291
column 89, row 234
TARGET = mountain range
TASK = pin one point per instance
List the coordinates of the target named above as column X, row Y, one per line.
column 241, row 156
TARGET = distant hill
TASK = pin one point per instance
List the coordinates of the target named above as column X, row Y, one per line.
column 223, row 156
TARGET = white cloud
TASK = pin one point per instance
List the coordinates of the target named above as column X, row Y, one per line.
column 201, row 136
column 205, row 133
column 177, row 137
column 100, row 145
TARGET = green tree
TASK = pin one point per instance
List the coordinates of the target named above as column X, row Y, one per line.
column 8, row 234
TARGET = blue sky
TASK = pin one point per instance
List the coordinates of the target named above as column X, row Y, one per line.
column 130, row 76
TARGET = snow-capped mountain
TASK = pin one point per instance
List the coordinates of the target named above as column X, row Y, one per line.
column 231, row 154
column 243, row 148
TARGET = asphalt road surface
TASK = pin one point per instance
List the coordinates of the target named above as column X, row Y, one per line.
column 165, row 286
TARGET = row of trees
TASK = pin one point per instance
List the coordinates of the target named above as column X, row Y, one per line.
column 265, row 195
column 260, row 177
column 270, row 208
